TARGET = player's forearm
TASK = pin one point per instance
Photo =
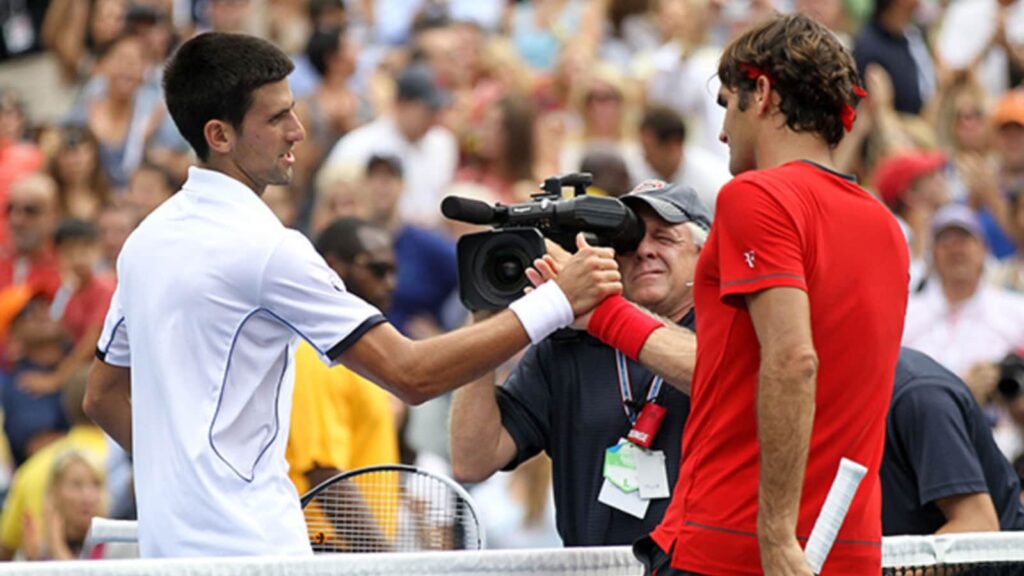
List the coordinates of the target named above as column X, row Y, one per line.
column 476, row 431
column 108, row 402
column 417, row 371
column 785, row 417
column 671, row 352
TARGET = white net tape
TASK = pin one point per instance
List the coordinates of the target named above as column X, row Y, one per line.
column 898, row 552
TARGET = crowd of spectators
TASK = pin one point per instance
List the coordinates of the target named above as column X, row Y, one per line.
column 405, row 101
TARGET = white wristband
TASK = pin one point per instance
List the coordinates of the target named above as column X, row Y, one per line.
column 543, row 311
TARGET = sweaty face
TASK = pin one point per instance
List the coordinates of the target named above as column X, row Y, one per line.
column 657, row 274
column 264, row 144
column 736, row 132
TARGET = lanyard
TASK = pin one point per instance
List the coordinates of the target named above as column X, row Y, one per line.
column 626, row 389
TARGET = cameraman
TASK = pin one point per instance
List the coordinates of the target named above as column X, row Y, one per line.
column 567, row 397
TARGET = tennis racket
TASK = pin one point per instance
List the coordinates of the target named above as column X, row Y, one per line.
column 391, row 508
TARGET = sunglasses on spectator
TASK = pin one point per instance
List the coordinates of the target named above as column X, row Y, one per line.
column 970, row 114
column 379, row 270
column 604, row 97
column 30, row 210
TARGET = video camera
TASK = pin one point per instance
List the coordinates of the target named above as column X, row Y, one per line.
column 492, row 265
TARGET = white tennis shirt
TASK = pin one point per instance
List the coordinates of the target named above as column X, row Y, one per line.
column 213, row 294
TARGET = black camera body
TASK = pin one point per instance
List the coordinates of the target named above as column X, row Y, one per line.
column 492, row 265
column 1011, row 376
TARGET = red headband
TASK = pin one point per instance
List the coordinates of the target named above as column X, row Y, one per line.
column 847, row 114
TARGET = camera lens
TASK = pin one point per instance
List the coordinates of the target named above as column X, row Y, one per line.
column 508, row 269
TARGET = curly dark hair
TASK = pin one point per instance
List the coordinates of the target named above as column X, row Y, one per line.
column 814, row 75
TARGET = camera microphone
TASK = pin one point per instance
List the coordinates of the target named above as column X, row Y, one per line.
column 471, row 211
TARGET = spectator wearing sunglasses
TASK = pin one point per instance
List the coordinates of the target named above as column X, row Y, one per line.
column 29, row 257
column 340, row 420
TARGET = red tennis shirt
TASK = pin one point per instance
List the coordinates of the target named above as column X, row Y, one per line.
column 797, row 225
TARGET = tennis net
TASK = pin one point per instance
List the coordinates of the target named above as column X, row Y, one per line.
column 958, row 554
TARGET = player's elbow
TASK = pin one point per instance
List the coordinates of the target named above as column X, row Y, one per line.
column 469, row 469
column 412, row 388
column 792, row 362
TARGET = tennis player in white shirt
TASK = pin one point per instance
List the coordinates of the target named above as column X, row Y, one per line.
column 193, row 374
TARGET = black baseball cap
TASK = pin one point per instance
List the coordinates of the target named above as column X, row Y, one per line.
column 673, row 203
column 417, row 82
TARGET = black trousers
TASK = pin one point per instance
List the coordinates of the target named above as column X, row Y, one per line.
column 655, row 560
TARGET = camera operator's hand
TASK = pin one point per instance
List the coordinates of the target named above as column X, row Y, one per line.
column 588, row 277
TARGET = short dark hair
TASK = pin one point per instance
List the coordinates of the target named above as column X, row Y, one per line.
column 665, row 123
column 813, row 74
column 71, row 229
column 341, row 238
column 323, row 44
column 213, row 77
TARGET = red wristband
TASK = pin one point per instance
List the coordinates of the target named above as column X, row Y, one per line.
column 621, row 325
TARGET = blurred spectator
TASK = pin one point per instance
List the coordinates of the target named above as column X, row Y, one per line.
column 606, row 109
column 32, row 213
column 962, row 119
column 29, row 488
column 340, row 192
column 891, row 40
column 410, row 133
column 18, row 156
column 225, row 15
column 504, row 159
column 75, row 495
column 1008, row 118
column 82, row 184
column 149, row 186
column 333, row 109
column 958, row 319
column 115, row 223
column 427, row 277
column 1009, row 272
column 77, row 31
column 540, row 28
column 988, row 180
column 667, row 156
column 122, row 116
column 611, row 175
column 684, row 69
column 36, row 345
column 341, row 421
column 914, row 186
column 153, row 27
column 80, row 304
column 992, row 45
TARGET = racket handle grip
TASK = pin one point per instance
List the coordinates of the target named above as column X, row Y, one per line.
column 833, row 512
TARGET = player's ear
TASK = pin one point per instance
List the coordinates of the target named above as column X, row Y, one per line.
column 763, row 94
column 220, row 136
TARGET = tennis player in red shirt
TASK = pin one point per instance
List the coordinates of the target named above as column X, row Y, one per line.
column 800, row 295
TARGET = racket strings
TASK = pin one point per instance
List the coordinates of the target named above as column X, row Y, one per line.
column 390, row 511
